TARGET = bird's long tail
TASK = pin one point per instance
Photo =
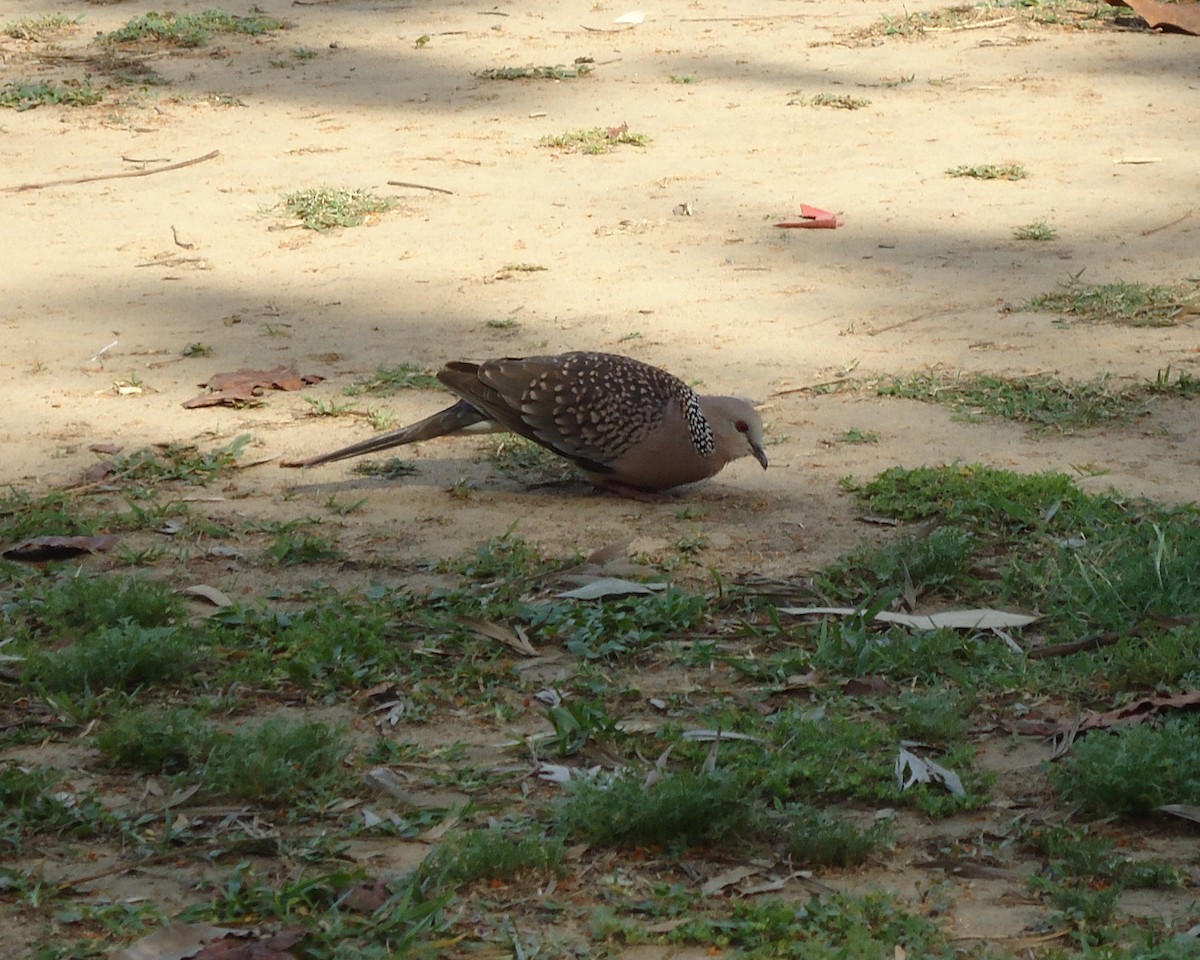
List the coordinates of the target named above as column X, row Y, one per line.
column 451, row 420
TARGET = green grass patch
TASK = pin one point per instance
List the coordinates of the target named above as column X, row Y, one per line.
column 1043, row 401
column 990, row 171
column 1132, row 771
column 126, row 658
column 272, row 763
column 1132, row 304
column 190, row 30
column 387, row 381
column 835, row 927
column 323, row 208
column 839, row 101
column 595, row 140
column 69, row 93
column 34, row 802
column 822, row 838
column 490, row 853
column 72, row 606
column 1038, row 230
column 44, row 27
column 525, row 460
column 680, row 811
column 556, row 72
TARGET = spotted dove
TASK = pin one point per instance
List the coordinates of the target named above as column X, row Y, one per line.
column 632, row 428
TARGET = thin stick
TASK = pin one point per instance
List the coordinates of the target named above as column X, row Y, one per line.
column 418, row 186
column 970, row 26
column 108, row 176
column 1153, row 230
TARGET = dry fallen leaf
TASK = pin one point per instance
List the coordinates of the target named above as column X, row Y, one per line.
column 1184, row 17
column 244, row 387
column 38, row 549
column 203, row 591
column 911, row 769
column 515, row 639
column 609, row 587
column 175, row 941
column 980, row 619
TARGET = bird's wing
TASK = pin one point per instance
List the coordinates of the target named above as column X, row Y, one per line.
column 591, row 408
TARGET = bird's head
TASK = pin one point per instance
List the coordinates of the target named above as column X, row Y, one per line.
column 737, row 428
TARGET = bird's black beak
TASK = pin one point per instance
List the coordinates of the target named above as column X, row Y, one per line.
column 759, row 453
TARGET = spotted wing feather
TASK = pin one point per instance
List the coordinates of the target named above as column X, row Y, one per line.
column 588, row 407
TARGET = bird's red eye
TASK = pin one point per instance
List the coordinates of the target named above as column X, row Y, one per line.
column 742, row 426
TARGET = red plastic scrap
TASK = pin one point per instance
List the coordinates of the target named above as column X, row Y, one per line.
column 813, row 218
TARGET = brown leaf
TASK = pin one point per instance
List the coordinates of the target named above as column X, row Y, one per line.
column 59, row 548
column 96, row 472
column 366, row 896
column 1138, row 711
column 274, row 947
column 1184, row 17
column 868, row 685
column 243, row 387
column 175, row 941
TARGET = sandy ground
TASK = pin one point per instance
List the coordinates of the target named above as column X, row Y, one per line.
column 919, row 277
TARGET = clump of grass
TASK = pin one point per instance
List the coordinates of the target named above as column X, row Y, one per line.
column 596, row 140
column 190, row 30
column 517, row 457
column 1044, row 401
column 1038, row 230
column 492, row 854
column 982, row 498
column 523, row 268
column 156, row 740
column 276, row 762
column 295, row 546
column 557, row 72
column 82, row 606
column 390, row 469
column 69, row 93
column 321, row 407
column 1132, row 771
column 855, row 435
column 40, row 28
column 1134, row 304
column 680, row 811
column 179, row 462
column 938, row 563
column 684, row 78
column 990, row 171
column 1076, row 854
column 389, row 380
column 619, row 626
column 841, row 925
column 124, row 657
column 322, row 208
column 824, row 839
column 32, row 802
column 272, row 763
column 839, row 101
